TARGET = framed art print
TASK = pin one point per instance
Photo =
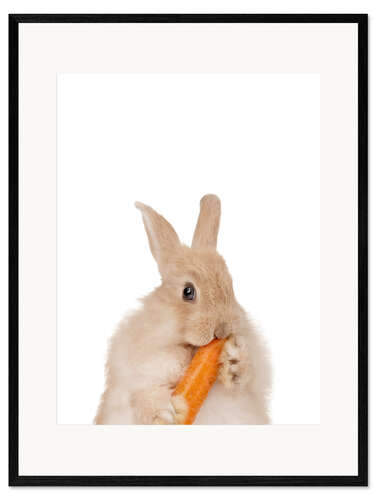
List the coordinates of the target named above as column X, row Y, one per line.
column 188, row 249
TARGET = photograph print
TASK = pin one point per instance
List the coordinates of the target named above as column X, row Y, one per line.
column 211, row 341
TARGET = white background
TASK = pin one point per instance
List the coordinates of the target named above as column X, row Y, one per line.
column 150, row 6
column 167, row 139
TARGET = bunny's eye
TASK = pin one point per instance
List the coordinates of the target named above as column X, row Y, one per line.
column 189, row 292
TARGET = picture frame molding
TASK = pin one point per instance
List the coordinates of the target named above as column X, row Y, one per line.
column 20, row 480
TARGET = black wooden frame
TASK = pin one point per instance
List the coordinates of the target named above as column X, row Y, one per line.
column 359, row 480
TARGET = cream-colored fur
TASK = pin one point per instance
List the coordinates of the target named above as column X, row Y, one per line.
column 152, row 348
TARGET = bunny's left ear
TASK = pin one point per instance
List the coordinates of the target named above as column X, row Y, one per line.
column 207, row 228
column 162, row 237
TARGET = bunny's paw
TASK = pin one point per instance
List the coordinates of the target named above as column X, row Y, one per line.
column 165, row 417
column 235, row 369
column 180, row 408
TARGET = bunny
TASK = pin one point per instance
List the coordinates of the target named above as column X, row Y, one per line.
column 151, row 349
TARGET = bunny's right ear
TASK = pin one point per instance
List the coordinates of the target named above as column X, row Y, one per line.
column 162, row 237
column 206, row 231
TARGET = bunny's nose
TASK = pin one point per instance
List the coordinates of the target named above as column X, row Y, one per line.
column 221, row 331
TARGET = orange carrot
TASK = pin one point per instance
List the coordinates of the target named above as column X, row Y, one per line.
column 198, row 379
